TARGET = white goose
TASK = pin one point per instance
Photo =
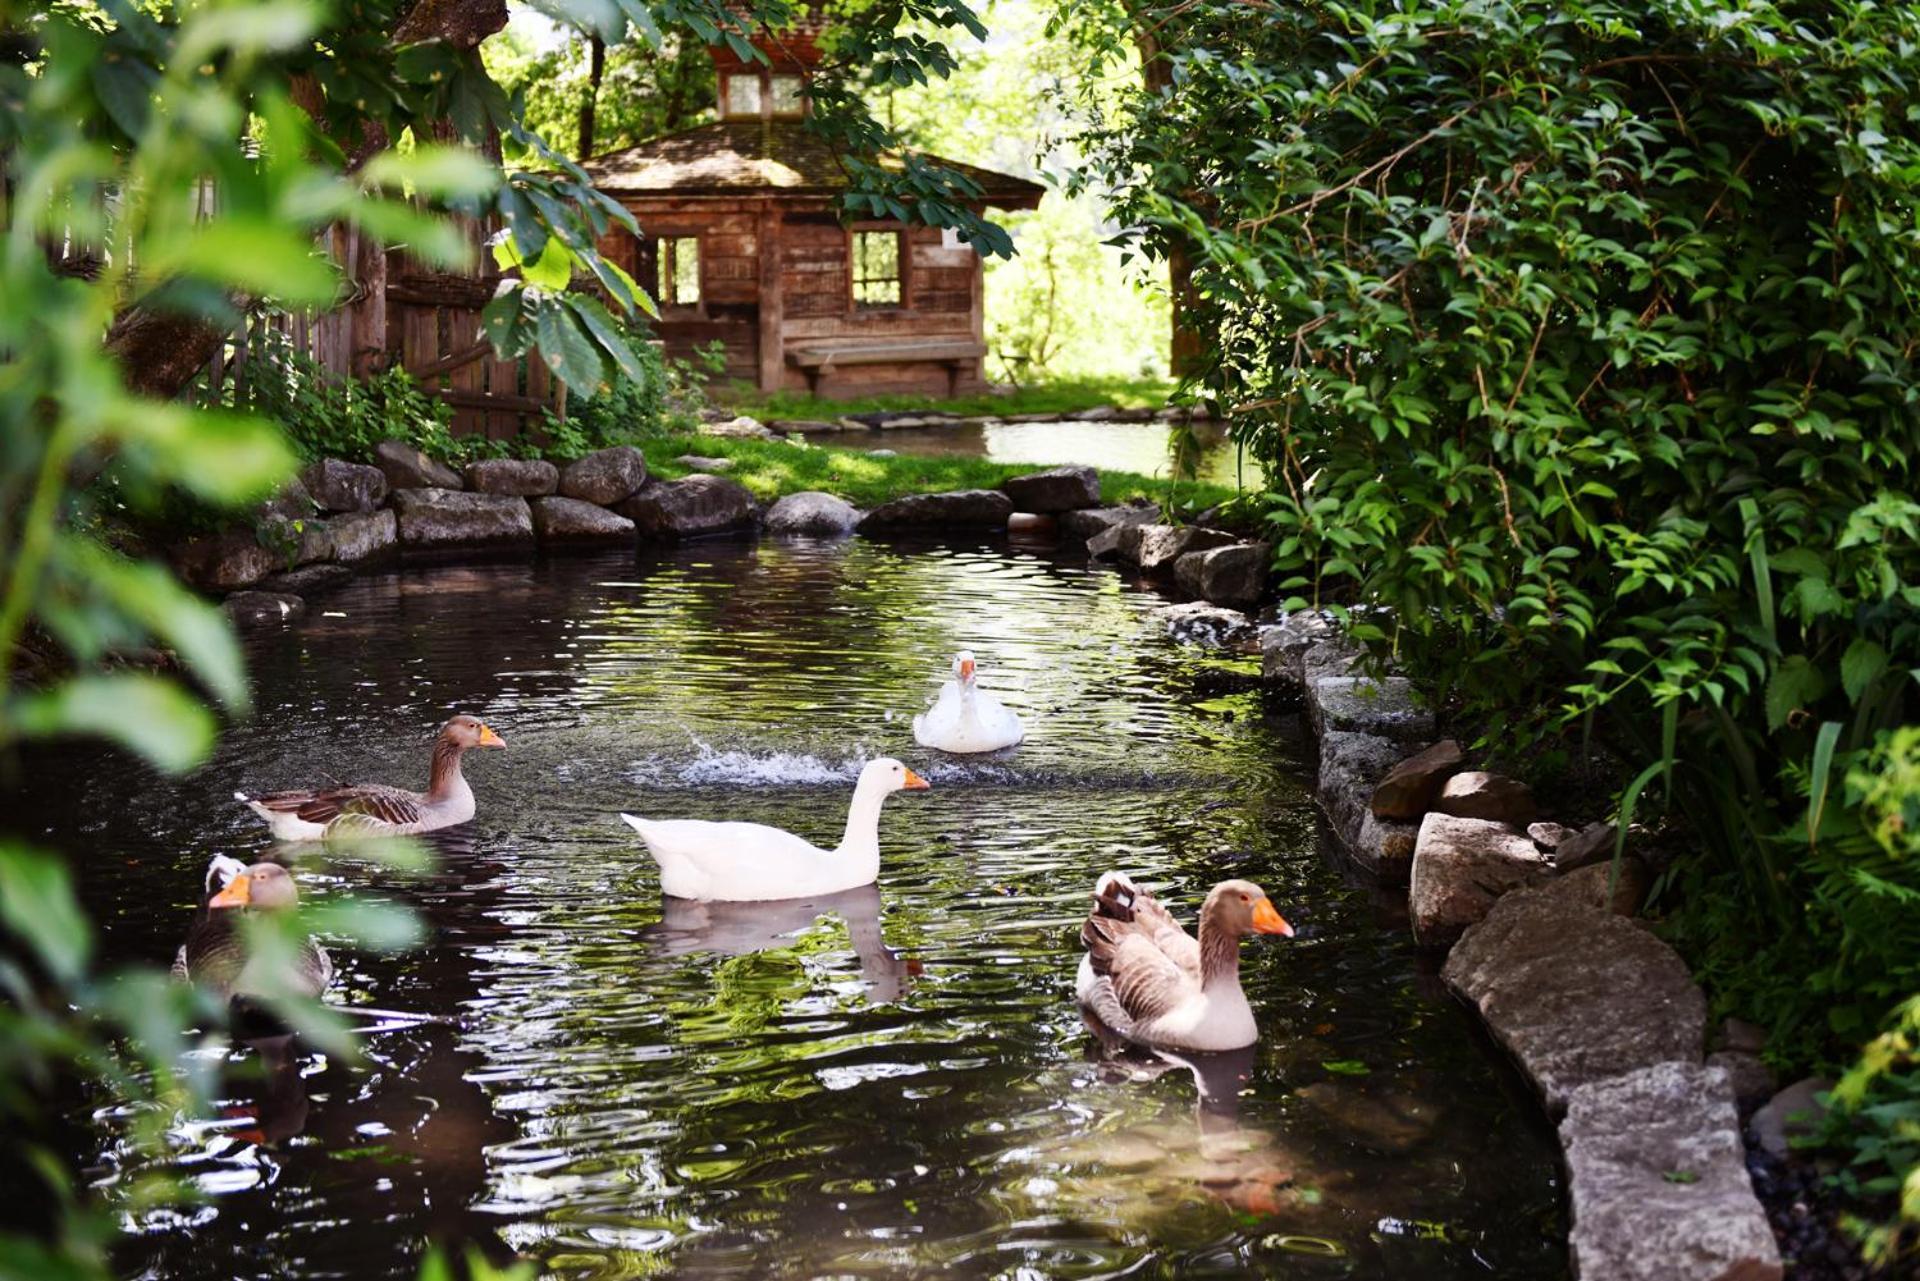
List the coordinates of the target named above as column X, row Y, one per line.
column 1152, row 983
column 964, row 719
column 751, row 862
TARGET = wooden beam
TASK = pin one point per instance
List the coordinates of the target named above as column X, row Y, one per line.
column 772, row 304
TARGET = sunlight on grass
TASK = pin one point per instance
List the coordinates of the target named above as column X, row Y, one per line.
column 1062, row 397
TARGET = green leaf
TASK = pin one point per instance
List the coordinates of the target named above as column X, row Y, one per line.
column 568, row 352
column 37, row 903
column 1346, row 1067
column 224, row 457
column 125, row 87
column 148, row 716
column 1860, row 666
column 553, row 271
column 607, row 334
column 263, row 258
column 1821, row 775
column 1796, row 683
column 196, row 630
column 441, row 172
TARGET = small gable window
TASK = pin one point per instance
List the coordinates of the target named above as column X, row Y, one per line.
column 743, row 95
column 677, row 271
column 786, row 96
column 876, row 269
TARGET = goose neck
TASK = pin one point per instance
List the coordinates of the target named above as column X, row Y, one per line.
column 1219, row 954
column 446, row 780
column 863, row 819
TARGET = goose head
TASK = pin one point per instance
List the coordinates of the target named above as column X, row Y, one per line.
column 885, row 774
column 963, row 667
column 470, row 731
column 1241, row 908
column 266, row 886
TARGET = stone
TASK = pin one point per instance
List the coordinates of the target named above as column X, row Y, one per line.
column 813, row 514
column 574, row 520
column 1235, row 575
column 1738, row 1034
column 605, row 477
column 1106, row 544
column 1088, row 521
column 309, row 580
column 1031, row 523
column 742, row 426
column 1198, row 623
column 1332, row 656
column 1657, row 1180
column 1387, row 707
column 1155, row 548
column 963, row 508
column 1283, row 647
column 704, row 463
column 1098, row 414
column 1057, row 489
column 432, row 519
column 293, row 502
column 252, row 609
column 363, row 536
column 1591, row 844
column 1409, row 789
column 513, row 477
column 1461, row 867
column 1349, row 766
column 1383, row 848
column 1752, row 1081
column 1480, row 794
column 339, row 486
column 1548, row 836
column 226, row 561
column 694, row 507
column 883, row 453
column 804, row 426
column 408, row 468
column 296, row 542
column 1596, row 887
column 1574, row 994
column 1792, row 1113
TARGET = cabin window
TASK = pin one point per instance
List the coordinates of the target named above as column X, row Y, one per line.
column 677, row 260
column 876, row 268
column 743, row 95
column 786, row 96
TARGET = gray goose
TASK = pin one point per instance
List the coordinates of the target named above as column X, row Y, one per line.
column 216, row 956
column 1154, row 984
column 374, row 809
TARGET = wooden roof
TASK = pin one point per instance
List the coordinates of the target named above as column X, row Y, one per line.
column 761, row 157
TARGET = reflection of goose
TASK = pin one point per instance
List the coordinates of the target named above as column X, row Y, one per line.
column 688, row 926
column 1152, row 983
column 1218, row 1076
column 281, row 1111
column 751, row 862
column 218, row 955
column 374, row 809
column 964, row 719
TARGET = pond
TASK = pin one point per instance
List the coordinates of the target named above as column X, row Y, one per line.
column 1134, row 447
column 894, row 1083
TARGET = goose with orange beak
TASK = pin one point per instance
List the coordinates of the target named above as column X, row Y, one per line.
column 216, row 954
column 1148, row 980
column 965, row 718
column 752, row 862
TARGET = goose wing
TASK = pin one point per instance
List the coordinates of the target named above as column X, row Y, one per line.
column 1141, row 980
column 1118, row 899
column 376, row 802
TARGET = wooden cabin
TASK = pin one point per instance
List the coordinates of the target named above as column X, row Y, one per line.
column 742, row 242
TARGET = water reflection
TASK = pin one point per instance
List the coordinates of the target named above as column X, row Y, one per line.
column 1136, row 447
column 687, row 927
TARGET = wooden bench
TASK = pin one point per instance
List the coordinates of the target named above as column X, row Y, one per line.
column 817, row 358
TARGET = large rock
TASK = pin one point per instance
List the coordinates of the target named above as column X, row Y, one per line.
column 574, row 520
column 1408, row 790
column 513, row 477
column 1084, row 524
column 1792, row 1113
column 1057, row 489
column 292, row 502
column 741, row 426
column 1235, row 575
column 962, row 508
column 296, row 542
column 1196, row 622
column 1461, row 866
column 1155, row 548
column 362, row 536
column 1383, row 847
column 1577, row 995
column 225, row 562
column 813, row 514
column 254, row 609
column 1387, row 707
column 1600, row 889
column 1480, row 794
column 432, row 519
column 1283, row 647
column 310, row 580
column 1658, row 1180
column 408, row 468
column 338, row 486
column 606, row 476
column 1593, row 843
column 1349, row 766
column 694, row 507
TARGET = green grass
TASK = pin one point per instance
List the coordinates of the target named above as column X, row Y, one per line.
column 771, row 468
column 1064, row 397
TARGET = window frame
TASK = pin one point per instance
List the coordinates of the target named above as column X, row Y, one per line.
column 904, row 253
column 654, row 251
column 762, row 94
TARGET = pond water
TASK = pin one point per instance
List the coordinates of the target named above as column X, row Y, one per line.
column 1134, row 447
column 895, row 1083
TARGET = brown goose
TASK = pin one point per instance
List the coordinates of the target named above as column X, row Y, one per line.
column 216, row 955
column 374, row 809
column 1152, row 983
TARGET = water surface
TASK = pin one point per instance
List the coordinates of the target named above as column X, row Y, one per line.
column 894, row 1083
column 1136, row 447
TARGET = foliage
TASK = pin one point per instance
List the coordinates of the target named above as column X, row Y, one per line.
column 646, row 90
column 1059, row 396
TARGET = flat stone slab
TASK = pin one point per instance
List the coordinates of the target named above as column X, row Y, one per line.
column 408, row 468
column 1085, row 523
column 960, row 508
column 1658, row 1180
column 1577, row 995
column 1057, row 489
column 1235, row 575
column 1155, row 548
column 604, row 477
column 362, row 536
column 430, row 519
column 338, row 486
column 513, row 477
column 1461, row 867
column 1283, row 647
column 1349, row 766
column 1387, row 707
column 1409, row 789
column 226, row 561
column 574, row 520
column 309, row 580
column 1482, row 794
column 812, row 514
column 693, row 507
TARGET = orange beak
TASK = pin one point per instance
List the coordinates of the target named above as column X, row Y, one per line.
column 915, row 783
column 1269, row 921
column 237, row 893
column 490, row 739
column 966, row 669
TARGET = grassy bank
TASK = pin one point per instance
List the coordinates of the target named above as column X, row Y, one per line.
column 1064, row 397
column 771, row 468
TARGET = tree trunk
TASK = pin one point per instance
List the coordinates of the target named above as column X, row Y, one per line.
column 596, row 67
column 1186, row 346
